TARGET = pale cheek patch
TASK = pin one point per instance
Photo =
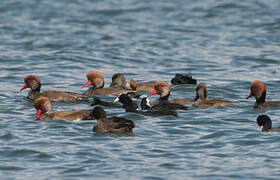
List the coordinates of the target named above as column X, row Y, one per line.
column 116, row 100
column 148, row 102
column 260, row 128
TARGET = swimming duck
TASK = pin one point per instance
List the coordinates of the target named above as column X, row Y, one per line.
column 264, row 124
column 96, row 79
column 44, row 112
column 163, row 90
column 110, row 125
column 34, row 83
column 258, row 89
column 201, row 93
column 181, row 79
column 131, row 106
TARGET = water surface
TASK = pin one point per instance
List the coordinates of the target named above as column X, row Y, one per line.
column 226, row 44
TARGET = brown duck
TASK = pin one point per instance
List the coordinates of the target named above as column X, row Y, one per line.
column 202, row 94
column 34, row 84
column 163, row 90
column 258, row 89
column 112, row 124
column 118, row 80
column 97, row 81
column 44, row 112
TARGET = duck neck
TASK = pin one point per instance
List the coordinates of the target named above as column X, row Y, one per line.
column 165, row 97
column 261, row 99
column 33, row 94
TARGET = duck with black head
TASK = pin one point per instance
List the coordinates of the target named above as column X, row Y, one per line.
column 111, row 125
column 34, row 83
column 96, row 79
column 264, row 124
column 131, row 106
column 44, row 112
column 258, row 89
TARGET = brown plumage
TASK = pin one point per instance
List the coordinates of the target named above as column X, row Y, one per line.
column 182, row 101
column 110, row 125
column 44, row 112
column 118, row 80
column 34, row 83
column 202, row 94
column 258, row 89
column 140, row 86
column 97, row 81
column 163, row 90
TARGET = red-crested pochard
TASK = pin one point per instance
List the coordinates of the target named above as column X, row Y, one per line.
column 44, row 112
column 258, row 89
column 163, row 90
column 96, row 79
column 34, row 83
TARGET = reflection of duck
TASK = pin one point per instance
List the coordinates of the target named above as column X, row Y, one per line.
column 201, row 93
column 131, row 106
column 265, row 124
column 110, row 125
column 258, row 89
column 97, row 81
column 163, row 90
column 44, row 112
column 34, row 83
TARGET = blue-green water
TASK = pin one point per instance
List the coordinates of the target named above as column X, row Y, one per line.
column 226, row 44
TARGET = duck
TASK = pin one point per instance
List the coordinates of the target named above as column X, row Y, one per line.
column 181, row 79
column 258, row 89
column 131, row 106
column 44, row 112
column 118, row 80
column 114, row 124
column 140, row 86
column 202, row 94
column 34, row 83
column 96, row 79
column 163, row 90
column 265, row 125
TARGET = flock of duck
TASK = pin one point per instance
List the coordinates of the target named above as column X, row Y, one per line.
column 125, row 92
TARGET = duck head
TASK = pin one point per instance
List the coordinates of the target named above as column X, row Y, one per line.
column 32, row 82
column 42, row 105
column 162, row 89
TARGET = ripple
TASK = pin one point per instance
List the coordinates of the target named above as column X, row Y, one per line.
column 224, row 44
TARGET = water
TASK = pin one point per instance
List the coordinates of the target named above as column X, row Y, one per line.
column 226, row 44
